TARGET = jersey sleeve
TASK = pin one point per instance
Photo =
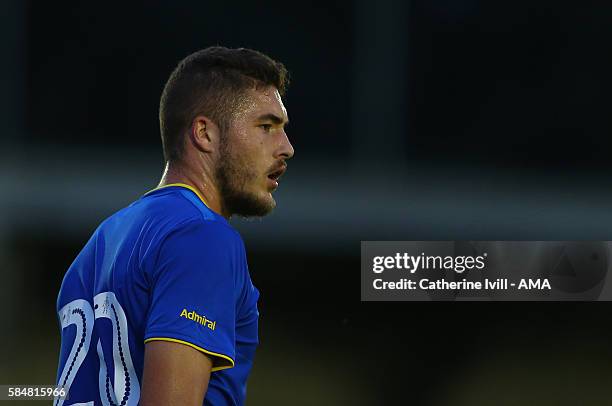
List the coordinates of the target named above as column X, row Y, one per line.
column 194, row 285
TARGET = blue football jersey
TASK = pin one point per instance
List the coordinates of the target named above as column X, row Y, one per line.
column 164, row 268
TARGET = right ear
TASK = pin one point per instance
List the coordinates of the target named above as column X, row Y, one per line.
column 204, row 134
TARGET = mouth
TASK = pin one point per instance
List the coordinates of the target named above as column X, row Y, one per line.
column 273, row 177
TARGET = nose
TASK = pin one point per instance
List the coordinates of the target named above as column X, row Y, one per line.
column 285, row 149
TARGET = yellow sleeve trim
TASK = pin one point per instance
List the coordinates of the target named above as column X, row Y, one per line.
column 186, row 186
column 215, row 354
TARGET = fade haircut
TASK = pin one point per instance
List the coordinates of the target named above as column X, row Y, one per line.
column 212, row 82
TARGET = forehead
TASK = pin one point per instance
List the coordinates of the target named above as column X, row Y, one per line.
column 262, row 101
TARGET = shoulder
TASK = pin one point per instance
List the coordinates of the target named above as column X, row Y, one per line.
column 203, row 233
column 200, row 252
column 178, row 211
column 171, row 222
column 174, row 206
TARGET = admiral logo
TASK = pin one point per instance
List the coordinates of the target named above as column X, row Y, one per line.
column 192, row 315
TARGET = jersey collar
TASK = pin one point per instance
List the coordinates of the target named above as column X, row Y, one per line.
column 183, row 185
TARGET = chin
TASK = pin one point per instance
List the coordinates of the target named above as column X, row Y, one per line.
column 251, row 205
column 266, row 204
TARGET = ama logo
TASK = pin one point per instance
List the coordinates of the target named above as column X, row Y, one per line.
column 534, row 284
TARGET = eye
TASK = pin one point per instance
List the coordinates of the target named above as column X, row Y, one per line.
column 266, row 127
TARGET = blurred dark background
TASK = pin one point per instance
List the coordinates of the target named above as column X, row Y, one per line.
column 433, row 119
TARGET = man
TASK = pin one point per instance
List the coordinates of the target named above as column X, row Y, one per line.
column 159, row 308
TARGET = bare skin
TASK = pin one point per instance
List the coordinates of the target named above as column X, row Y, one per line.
column 257, row 132
column 174, row 373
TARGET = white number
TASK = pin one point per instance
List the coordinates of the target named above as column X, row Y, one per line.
column 125, row 380
column 79, row 313
column 124, row 384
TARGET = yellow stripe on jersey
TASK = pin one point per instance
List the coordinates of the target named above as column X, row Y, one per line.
column 194, row 190
column 215, row 354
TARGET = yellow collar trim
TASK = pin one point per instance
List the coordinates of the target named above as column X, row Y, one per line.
column 186, row 186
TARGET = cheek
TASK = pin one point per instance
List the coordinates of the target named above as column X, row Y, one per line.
column 251, row 154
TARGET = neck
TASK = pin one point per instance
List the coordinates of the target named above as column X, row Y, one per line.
column 202, row 181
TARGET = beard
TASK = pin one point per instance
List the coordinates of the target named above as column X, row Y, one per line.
column 234, row 179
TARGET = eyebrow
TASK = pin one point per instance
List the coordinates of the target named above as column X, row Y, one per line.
column 273, row 118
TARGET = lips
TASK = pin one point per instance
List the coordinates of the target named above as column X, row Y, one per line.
column 275, row 175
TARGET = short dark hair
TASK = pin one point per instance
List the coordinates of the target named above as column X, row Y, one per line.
column 212, row 82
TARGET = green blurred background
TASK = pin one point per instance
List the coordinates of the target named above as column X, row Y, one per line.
column 418, row 120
